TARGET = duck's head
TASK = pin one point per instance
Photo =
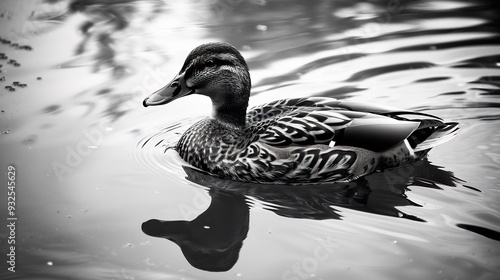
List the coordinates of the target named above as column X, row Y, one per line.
column 216, row 70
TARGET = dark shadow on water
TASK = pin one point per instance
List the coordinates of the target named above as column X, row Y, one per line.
column 486, row 232
column 212, row 241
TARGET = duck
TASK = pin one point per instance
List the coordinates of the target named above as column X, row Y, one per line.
column 294, row 140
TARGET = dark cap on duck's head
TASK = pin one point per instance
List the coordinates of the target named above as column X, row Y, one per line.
column 215, row 49
column 216, row 70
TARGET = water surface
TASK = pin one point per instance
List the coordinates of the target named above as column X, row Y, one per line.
column 93, row 165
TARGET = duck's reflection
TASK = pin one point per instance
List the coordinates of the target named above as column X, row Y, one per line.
column 212, row 241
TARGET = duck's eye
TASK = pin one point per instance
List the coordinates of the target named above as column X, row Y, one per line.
column 209, row 63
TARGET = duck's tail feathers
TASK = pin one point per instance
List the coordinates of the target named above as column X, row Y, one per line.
column 440, row 135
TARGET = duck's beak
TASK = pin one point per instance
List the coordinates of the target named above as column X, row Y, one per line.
column 177, row 88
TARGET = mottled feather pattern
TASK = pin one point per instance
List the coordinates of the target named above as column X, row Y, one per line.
column 293, row 141
column 295, row 121
column 284, row 141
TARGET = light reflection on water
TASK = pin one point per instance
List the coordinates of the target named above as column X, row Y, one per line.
column 97, row 60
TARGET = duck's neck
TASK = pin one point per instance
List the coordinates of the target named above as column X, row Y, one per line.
column 234, row 116
column 230, row 108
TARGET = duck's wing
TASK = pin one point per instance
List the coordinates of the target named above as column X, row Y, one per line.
column 309, row 121
column 297, row 121
column 277, row 108
column 303, row 127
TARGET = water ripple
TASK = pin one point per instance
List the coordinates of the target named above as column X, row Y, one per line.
column 155, row 151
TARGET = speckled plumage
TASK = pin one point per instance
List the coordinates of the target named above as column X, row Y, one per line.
column 299, row 140
column 289, row 141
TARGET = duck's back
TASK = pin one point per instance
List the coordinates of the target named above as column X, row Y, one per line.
column 320, row 120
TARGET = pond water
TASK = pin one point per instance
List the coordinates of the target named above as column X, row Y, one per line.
column 92, row 165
